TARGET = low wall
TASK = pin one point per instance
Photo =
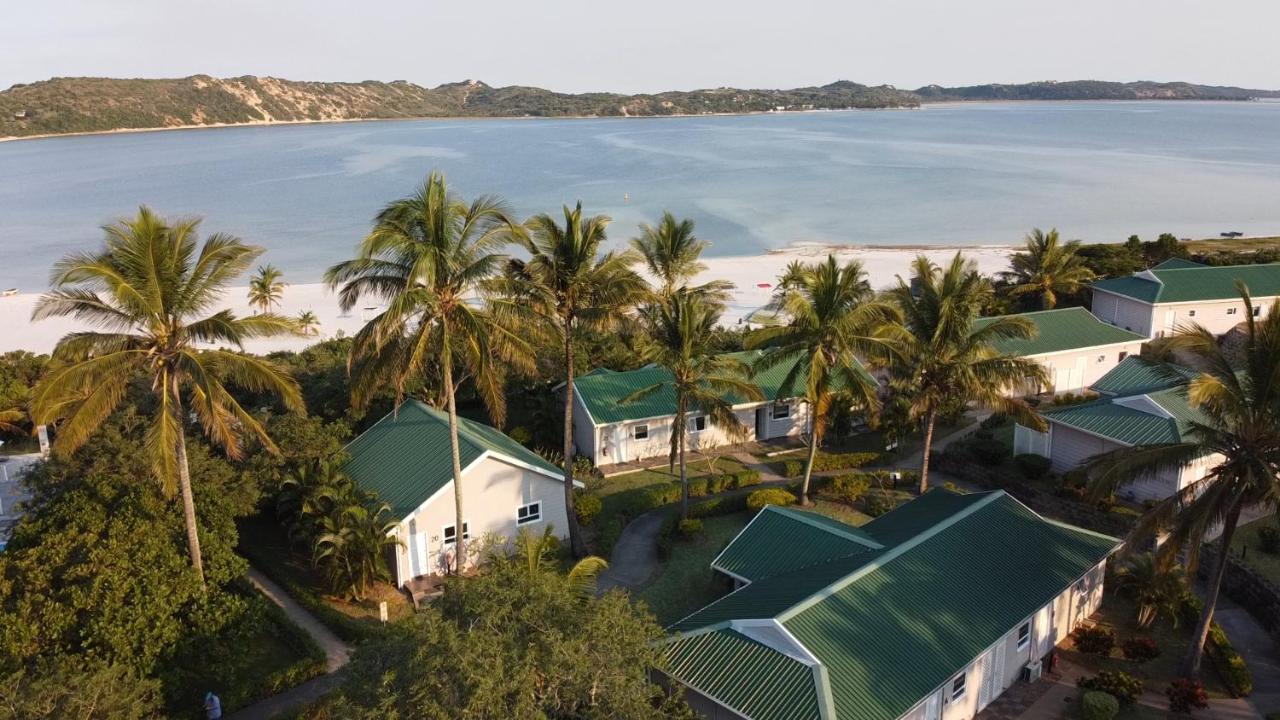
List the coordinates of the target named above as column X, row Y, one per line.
column 1253, row 592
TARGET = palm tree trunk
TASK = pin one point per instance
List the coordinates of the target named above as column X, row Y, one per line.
column 1195, row 653
column 576, row 544
column 460, row 558
column 684, row 474
column 188, row 499
column 808, row 466
column 930, row 418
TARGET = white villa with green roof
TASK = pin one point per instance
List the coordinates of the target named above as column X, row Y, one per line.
column 1143, row 403
column 405, row 458
column 1075, row 348
column 609, row 431
column 928, row 612
column 1180, row 292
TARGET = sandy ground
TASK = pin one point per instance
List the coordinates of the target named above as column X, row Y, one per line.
column 748, row 273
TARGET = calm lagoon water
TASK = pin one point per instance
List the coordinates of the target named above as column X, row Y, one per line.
column 945, row 175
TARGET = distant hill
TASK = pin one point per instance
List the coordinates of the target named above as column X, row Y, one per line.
column 68, row 105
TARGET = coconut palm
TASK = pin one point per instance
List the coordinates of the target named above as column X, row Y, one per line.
column 425, row 259
column 1048, row 267
column 833, row 319
column 1239, row 431
column 671, row 254
column 308, row 323
column 948, row 358
column 10, row 419
column 537, row 553
column 564, row 287
column 266, row 288
column 147, row 291
column 702, row 380
column 351, row 547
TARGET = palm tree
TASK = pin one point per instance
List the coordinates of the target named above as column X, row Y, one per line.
column 9, row 420
column 537, row 553
column 1239, row 431
column 671, row 254
column 145, row 291
column 351, row 546
column 308, row 323
column 1048, row 268
column 834, row 319
column 701, row 379
column 265, row 288
column 1157, row 589
column 426, row 257
column 949, row 357
column 566, row 286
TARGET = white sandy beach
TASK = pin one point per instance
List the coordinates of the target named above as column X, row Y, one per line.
column 748, row 273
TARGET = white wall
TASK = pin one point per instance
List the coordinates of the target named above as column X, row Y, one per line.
column 1075, row 370
column 1121, row 311
column 618, row 444
column 492, row 491
column 1217, row 316
column 1069, row 447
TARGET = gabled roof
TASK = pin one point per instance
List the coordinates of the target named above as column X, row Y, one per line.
column 1177, row 263
column 1136, row 375
column 1063, row 329
column 405, row 457
column 602, row 393
column 1151, row 418
column 747, row 675
column 767, row 545
column 888, row 627
column 1187, row 284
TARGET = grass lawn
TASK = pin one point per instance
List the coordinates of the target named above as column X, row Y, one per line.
column 264, row 543
column 1246, row 543
column 1118, row 613
column 870, row 441
column 620, row 492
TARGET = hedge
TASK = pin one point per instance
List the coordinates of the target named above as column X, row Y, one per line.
column 1097, row 705
column 769, row 496
column 823, row 462
column 718, row 506
column 1228, row 663
column 587, row 508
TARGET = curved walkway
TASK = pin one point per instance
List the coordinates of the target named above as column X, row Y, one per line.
column 635, row 556
column 336, row 654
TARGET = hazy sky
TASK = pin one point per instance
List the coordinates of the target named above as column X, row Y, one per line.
column 648, row 45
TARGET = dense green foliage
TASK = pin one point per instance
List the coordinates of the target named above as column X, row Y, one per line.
column 71, row 689
column 511, row 643
column 1098, row 705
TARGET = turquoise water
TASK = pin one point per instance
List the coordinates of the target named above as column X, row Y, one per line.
column 961, row 174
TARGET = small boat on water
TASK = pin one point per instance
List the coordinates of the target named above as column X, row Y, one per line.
column 9, row 292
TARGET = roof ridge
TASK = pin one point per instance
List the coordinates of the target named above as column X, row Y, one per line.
column 802, row 516
column 895, row 552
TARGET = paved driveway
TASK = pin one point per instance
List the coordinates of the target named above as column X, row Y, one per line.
column 12, row 494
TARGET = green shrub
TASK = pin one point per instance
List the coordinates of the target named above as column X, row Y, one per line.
column 746, row 478
column 718, row 506
column 1229, row 663
column 1032, row 467
column 1094, row 640
column 1097, row 705
column 842, row 461
column 987, row 450
column 587, row 508
column 663, row 494
column 994, row 421
column 698, row 487
column 1269, row 539
column 667, row 536
column 691, row 527
column 1121, row 685
column 847, row 488
column 520, row 434
column 877, row 503
column 1140, row 649
column 1186, row 695
column 793, row 468
column 769, row 496
column 610, row 533
column 716, row 484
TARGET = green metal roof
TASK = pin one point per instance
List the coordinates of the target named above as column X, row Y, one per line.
column 753, row 678
column 1176, row 263
column 767, row 545
column 1136, row 375
column 405, row 457
column 603, row 393
column 1063, row 329
column 896, row 625
column 1185, row 284
column 1126, row 420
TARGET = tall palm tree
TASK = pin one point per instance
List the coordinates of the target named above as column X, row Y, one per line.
column 1240, row 430
column 702, row 380
column 426, row 257
column 146, row 292
column 308, row 323
column 949, row 358
column 671, row 254
column 266, row 288
column 834, row 319
column 565, row 286
column 9, row 420
column 1048, row 267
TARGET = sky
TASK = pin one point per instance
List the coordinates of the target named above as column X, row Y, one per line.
column 648, row 45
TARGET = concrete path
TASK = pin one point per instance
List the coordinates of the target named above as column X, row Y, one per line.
column 336, row 654
column 1259, row 651
column 635, row 556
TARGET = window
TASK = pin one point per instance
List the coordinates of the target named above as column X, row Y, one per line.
column 1257, row 310
column 1191, row 313
column 781, row 411
column 957, row 687
column 1231, row 310
column 640, row 432
column 1024, row 636
column 451, row 533
column 1123, row 355
column 1102, row 358
column 530, row 513
column 697, row 423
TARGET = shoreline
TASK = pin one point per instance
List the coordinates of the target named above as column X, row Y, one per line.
column 753, row 276
column 924, row 104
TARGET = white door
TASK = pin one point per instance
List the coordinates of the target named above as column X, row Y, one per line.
column 985, row 666
column 933, row 707
column 620, row 438
column 1170, row 318
column 1077, row 374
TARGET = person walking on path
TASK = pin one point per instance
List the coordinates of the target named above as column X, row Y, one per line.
column 212, row 706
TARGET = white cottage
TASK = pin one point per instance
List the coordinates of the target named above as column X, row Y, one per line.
column 405, row 459
column 1074, row 347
